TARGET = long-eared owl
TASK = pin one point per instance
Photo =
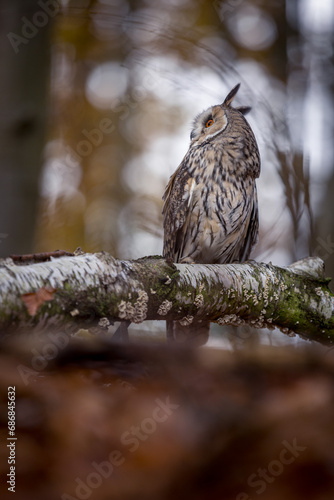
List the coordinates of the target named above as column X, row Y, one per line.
column 210, row 203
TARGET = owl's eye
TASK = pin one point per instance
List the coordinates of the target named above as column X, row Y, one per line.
column 209, row 123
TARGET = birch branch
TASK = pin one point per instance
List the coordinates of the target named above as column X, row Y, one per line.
column 295, row 299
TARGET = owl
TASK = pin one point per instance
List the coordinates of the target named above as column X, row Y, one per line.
column 210, row 211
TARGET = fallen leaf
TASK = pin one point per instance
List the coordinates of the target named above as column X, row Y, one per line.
column 34, row 300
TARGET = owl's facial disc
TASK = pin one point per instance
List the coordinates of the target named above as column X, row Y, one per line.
column 208, row 124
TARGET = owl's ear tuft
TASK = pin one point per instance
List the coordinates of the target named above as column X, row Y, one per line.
column 244, row 109
column 231, row 95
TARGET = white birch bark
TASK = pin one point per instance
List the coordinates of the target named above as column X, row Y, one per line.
column 294, row 299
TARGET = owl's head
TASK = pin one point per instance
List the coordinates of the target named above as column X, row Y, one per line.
column 213, row 121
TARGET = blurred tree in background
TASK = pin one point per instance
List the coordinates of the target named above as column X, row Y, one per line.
column 25, row 58
column 127, row 78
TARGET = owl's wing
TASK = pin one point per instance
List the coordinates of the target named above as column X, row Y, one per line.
column 252, row 231
column 177, row 200
column 241, row 225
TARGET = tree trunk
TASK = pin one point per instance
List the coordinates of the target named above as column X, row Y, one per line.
column 25, row 60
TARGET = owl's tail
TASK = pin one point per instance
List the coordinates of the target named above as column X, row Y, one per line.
column 195, row 334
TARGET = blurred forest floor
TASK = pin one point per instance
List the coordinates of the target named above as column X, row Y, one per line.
column 106, row 421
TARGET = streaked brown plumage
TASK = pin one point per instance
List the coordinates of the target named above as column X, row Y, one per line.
column 210, row 203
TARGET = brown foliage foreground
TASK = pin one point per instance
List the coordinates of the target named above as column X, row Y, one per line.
column 105, row 421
